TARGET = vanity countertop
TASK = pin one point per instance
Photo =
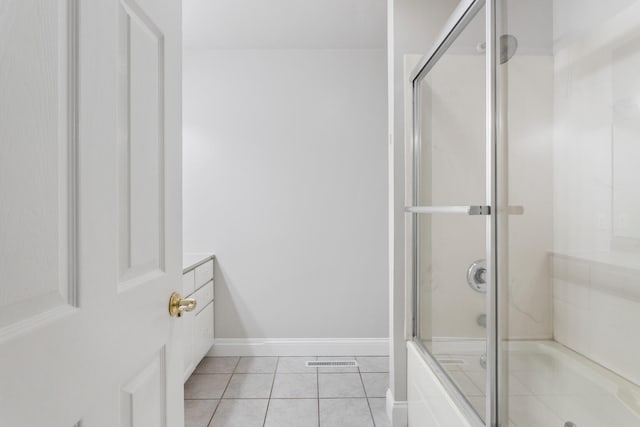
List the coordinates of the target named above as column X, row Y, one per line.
column 192, row 260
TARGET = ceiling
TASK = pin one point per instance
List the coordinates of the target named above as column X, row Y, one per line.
column 284, row 24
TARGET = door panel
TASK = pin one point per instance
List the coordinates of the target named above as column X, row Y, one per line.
column 37, row 181
column 91, row 218
column 144, row 397
column 451, row 171
column 140, row 144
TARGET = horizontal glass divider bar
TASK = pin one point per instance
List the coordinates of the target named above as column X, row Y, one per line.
column 513, row 210
column 464, row 210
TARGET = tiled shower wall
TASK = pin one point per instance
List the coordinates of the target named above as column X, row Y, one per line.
column 596, row 309
column 596, row 253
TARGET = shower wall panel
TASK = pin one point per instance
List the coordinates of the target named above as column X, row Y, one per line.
column 596, row 153
column 530, row 170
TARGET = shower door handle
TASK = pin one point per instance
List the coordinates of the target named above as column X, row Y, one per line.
column 464, row 210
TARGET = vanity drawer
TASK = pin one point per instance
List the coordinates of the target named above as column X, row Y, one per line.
column 188, row 282
column 203, row 296
column 203, row 331
column 204, row 273
column 187, row 335
column 196, row 327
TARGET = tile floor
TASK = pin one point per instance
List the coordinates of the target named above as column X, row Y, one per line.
column 283, row 392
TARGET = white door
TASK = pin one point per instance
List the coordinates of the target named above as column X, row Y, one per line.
column 90, row 213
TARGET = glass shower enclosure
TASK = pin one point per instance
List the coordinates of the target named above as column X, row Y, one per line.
column 525, row 211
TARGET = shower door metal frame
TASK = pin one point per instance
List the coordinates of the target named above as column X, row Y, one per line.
column 456, row 24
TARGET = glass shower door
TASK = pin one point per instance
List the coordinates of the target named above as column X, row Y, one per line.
column 449, row 211
column 524, row 186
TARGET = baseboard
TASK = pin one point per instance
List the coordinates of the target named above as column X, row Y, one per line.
column 300, row 347
column 397, row 411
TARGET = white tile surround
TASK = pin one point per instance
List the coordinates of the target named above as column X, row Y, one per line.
column 555, row 385
column 548, row 385
column 595, row 257
column 596, row 309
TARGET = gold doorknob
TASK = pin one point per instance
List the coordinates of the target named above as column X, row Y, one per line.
column 178, row 305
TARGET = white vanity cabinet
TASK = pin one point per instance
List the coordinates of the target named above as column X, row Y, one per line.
column 197, row 326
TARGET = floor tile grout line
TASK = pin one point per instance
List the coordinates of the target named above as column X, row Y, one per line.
column 223, row 392
column 195, row 371
column 236, row 365
column 220, row 400
column 273, row 380
column 211, row 373
column 279, row 398
column 214, row 411
column 373, row 421
column 344, row 398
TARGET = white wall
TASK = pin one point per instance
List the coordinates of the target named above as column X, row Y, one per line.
column 284, row 24
column 285, row 181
